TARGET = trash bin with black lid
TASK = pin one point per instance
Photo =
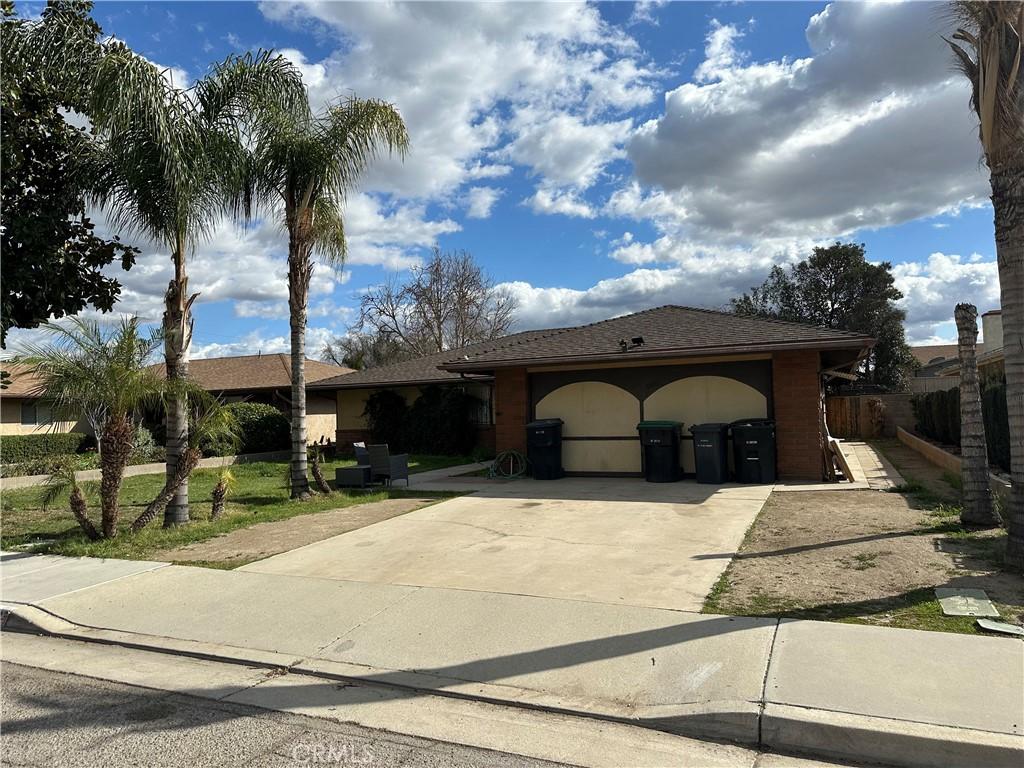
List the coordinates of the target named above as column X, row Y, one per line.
column 711, row 452
column 753, row 444
column 659, row 443
column 544, row 448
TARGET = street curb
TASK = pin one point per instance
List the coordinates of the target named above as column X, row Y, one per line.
column 777, row 727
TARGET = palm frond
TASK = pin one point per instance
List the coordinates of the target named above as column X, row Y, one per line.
column 329, row 232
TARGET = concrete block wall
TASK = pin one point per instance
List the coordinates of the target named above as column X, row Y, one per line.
column 796, row 392
column 511, row 409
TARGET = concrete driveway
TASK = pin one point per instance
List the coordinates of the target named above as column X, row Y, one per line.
column 608, row 540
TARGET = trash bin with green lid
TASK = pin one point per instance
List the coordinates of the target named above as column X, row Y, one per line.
column 659, row 446
column 544, row 448
column 711, row 452
column 753, row 444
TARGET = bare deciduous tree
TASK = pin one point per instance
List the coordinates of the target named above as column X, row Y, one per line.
column 447, row 303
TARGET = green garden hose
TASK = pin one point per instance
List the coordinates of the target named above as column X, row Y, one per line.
column 508, row 464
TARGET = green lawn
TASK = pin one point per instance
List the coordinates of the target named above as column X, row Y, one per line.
column 259, row 495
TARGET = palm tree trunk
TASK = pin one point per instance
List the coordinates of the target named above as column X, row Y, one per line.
column 115, row 448
column 187, row 462
column 1008, row 201
column 977, row 510
column 299, row 272
column 80, row 509
column 220, row 492
column 177, row 326
column 318, row 475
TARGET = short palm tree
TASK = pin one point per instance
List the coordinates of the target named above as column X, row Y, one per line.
column 168, row 163
column 102, row 374
column 209, row 422
column 988, row 46
column 301, row 166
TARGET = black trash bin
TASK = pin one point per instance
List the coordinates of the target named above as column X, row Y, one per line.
column 544, row 448
column 753, row 444
column 711, row 452
column 659, row 443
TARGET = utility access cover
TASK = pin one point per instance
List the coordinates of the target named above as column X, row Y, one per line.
column 965, row 602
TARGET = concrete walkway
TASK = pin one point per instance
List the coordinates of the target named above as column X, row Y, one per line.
column 850, row 692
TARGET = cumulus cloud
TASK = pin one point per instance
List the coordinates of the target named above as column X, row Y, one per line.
column 256, row 342
column 480, row 201
column 566, row 203
column 933, row 287
column 870, row 130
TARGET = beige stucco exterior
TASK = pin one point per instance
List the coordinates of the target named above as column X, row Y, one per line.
column 321, row 417
column 10, row 420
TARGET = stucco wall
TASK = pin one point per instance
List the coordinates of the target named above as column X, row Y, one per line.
column 10, row 420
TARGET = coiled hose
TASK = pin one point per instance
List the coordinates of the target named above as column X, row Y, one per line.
column 508, row 464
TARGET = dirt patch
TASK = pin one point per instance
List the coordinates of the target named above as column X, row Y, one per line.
column 261, row 540
column 867, row 556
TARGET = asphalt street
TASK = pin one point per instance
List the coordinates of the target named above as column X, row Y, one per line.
column 55, row 720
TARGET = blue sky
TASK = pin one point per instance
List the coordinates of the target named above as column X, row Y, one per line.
column 600, row 159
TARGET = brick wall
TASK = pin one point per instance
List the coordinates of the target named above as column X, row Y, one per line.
column 511, row 409
column 796, row 390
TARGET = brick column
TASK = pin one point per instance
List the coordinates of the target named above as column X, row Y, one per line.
column 511, row 409
column 796, row 390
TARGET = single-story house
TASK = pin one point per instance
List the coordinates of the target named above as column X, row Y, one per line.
column 408, row 378
column 268, row 379
column 671, row 362
column 21, row 413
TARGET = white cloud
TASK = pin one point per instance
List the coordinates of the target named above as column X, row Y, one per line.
column 932, row 289
column 869, row 131
column 645, row 11
column 255, row 342
column 566, row 203
column 480, row 201
column 549, row 59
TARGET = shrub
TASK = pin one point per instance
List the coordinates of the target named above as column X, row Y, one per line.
column 997, row 424
column 261, row 428
column 145, row 448
column 441, row 422
column 15, row 449
column 937, row 415
column 385, row 414
column 50, row 464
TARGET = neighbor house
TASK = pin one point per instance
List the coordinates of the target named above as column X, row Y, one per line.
column 989, row 355
column 22, row 413
column 267, row 379
column 679, row 363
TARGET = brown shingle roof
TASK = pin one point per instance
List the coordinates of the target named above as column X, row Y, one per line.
column 23, row 383
column 250, row 372
column 669, row 331
column 422, row 370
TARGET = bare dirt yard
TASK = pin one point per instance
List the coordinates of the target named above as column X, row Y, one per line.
column 868, row 556
column 246, row 545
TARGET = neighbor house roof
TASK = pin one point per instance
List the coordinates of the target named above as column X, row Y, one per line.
column 23, row 383
column 251, row 372
column 669, row 331
column 928, row 354
column 421, row 370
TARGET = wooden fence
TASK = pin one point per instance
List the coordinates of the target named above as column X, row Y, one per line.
column 850, row 416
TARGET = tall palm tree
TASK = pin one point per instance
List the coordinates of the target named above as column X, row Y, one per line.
column 977, row 502
column 103, row 375
column 169, row 162
column 301, row 166
column 988, row 46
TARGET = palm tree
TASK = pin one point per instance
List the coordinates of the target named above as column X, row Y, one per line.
column 977, row 508
column 988, row 48
column 168, row 163
column 208, row 422
column 103, row 375
column 301, row 166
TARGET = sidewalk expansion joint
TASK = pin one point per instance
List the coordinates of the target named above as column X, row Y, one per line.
column 764, row 683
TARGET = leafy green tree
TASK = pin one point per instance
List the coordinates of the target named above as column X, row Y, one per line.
column 53, row 260
column 302, row 166
column 989, row 46
column 838, row 288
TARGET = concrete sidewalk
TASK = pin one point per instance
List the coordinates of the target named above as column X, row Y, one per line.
column 849, row 692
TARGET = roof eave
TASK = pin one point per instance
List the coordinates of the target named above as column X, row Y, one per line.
column 731, row 349
column 396, row 383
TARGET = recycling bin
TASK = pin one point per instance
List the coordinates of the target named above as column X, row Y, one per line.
column 544, row 448
column 659, row 443
column 753, row 444
column 711, row 452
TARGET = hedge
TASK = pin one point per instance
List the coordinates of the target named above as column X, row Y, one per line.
column 261, row 428
column 439, row 422
column 937, row 415
column 15, row 449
